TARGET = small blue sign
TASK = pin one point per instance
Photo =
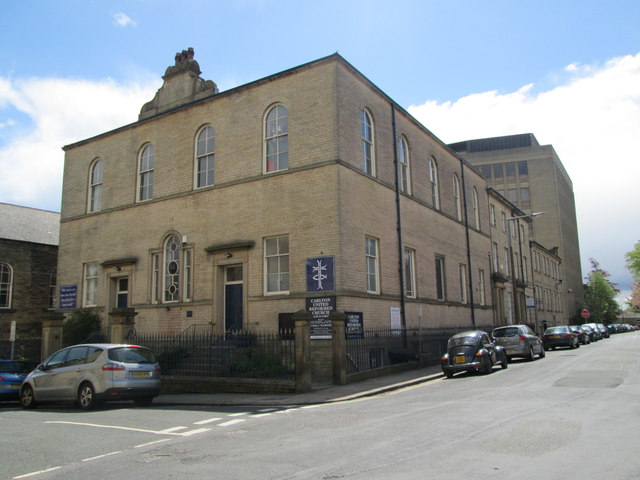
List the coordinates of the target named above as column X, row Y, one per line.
column 68, row 296
column 320, row 274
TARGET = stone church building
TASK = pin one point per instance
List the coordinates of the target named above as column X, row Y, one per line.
column 307, row 189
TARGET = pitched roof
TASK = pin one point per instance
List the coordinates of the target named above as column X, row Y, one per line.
column 29, row 224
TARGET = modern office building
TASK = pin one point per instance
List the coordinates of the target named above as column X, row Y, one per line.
column 532, row 177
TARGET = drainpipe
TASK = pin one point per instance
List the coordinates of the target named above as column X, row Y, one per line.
column 466, row 230
column 403, row 318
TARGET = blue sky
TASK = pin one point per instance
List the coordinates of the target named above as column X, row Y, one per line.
column 567, row 71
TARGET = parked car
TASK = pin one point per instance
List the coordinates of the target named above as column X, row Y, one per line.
column 590, row 333
column 603, row 330
column 88, row 374
column 519, row 341
column 561, row 336
column 12, row 373
column 472, row 351
column 583, row 336
column 594, row 327
column 613, row 328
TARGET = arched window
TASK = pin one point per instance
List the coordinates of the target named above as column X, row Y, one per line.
column 6, row 285
column 205, row 157
column 368, row 156
column 456, row 197
column 95, row 186
column 403, row 165
column 476, row 209
column 171, row 284
column 145, row 172
column 276, row 139
column 433, row 179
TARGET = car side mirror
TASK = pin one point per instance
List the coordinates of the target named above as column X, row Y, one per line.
column 41, row 367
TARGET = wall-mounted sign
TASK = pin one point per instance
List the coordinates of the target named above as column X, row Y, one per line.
column 396, row 320
column 320, row 308
column 320, row 274
column 354, row 325
column 68, row 296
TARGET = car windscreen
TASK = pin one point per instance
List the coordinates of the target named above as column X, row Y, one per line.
column 506, row 332
column 460, row 341
column 556, row 330
column 132, row 355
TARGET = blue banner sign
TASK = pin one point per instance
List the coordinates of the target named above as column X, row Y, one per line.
column 68, row 296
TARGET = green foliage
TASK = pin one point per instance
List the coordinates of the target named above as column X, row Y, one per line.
column 633, row 302
column 251, row 363
column 633, row 261
column 600, row 296
column 79, row 326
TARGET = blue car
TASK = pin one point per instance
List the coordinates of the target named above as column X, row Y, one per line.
column 12, row 373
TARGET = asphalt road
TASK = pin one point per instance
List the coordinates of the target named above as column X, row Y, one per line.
column 573, row 414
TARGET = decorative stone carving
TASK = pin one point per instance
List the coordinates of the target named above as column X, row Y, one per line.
column 182, row 85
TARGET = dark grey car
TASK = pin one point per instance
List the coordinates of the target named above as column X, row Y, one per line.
column 519, row 341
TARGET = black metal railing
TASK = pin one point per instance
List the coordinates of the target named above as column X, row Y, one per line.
column 199, row 352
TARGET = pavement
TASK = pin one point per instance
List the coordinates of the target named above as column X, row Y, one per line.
column 318, row 395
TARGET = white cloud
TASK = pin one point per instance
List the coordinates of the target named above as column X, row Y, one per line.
column 123, row 20
column 592, row 121
column 61, row 111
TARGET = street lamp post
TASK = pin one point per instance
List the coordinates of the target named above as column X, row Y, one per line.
column 516, row 303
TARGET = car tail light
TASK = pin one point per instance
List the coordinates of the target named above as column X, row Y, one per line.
column 567, row 335
column 522, row 338
column 113, row 367
column 2, row 379
column 478, row 354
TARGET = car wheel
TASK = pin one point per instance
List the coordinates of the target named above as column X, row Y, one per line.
column 27, row 399
column 542, row 352
column 505, row 361
column 86, row 396
column 531, row 357
column 572, row 346
column 449, row 374
column 488, row 364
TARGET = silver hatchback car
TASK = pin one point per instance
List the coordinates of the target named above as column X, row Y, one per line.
column 519, row 341
column 88, row 374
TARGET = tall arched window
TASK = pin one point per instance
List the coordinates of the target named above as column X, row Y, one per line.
column 205, row 157
column 171, row 285
column 6, row 285
column 95, row 186
column 476, row 209
column 145, row 172
column 276, row 139
column 433, row 179
column 403, row 165
column 456, row 197
column 368, row 158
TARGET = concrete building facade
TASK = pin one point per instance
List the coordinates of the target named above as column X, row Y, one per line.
column 532, row 177
column 308, row 188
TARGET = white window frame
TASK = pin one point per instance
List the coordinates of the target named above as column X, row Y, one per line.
column 464, row 294
column 367, row 131
column 277, row 265
column 90, row 284
column 482, row 293
column 372, row 264
column 146, row 169
column 456, row 197
column 476, row 207
column 404, row 166
column 205, row 154
column 96, row 181
column 276, row 133
column 433, row 179
column 409, row 272
column 6, row 284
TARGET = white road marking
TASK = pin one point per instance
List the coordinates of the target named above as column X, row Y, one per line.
column 169, row 431
column 237, row 414
column 258, row 415
column 101, row 456
column 37, row 473
column 231, row 422
column 209, row 420
column 151, row 443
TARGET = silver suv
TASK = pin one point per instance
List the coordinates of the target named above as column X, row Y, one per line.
column 88, row 374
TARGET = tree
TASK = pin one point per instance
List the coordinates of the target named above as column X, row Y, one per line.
column 600, row 294
column 79, row 326
column 633, row 261
column 633, row 302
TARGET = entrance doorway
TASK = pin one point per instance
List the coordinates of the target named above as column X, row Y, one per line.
column 233, row 297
